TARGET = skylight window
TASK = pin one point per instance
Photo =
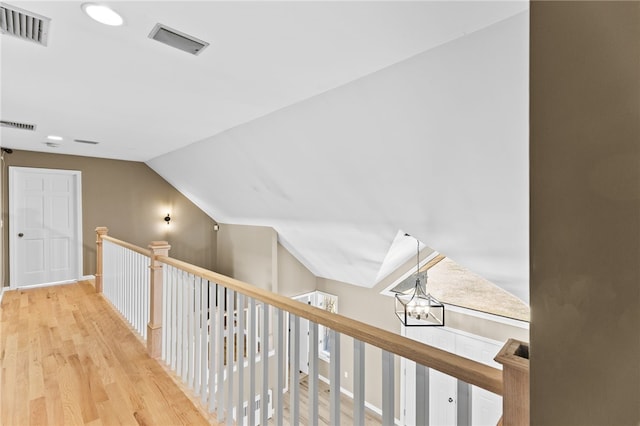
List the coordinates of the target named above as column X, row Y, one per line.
column 402, row 249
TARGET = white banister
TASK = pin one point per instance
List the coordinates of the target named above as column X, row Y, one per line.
column 125, row 278
column 214, row 331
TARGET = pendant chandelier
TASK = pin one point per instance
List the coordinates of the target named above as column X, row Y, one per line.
column 418, row 308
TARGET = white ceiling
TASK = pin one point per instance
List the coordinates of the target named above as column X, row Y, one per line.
column 287, row 134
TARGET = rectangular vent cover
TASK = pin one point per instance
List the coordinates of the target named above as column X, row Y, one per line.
column 16, row 125
column 86, row 141
column 23, row 24
column 177, row 39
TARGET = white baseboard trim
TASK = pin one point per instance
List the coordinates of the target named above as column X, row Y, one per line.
column 26, row 287
column 83, row 278
column 370, row 406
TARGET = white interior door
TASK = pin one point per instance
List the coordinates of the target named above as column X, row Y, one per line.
column 304, row 336
column 443, row 389
column 45, row 236
column 443, row 393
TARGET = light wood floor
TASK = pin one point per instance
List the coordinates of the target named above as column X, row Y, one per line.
column 346, row 407
column 67, row 358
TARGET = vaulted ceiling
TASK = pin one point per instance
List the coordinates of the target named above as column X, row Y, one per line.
column 339, row 124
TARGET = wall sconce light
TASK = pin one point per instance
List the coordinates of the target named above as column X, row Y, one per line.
column 167, row 218
column 216, row 227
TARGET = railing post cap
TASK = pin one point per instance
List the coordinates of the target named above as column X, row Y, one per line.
column 159, row 245
column 102, row 230
column 515, row 354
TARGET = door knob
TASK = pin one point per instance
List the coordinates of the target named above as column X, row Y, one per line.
column 21, row 235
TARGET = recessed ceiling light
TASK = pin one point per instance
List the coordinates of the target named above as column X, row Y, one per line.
column 103, row 14
column 54, row 138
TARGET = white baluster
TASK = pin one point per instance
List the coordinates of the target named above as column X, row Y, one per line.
column 388, row 386
column 166, row 302
column 422, row 394
column 180, row 324
column 204, row 332
column 313, row 374
column 280, row 353
column 294, row 388
column 463, row 403
column 251, row 353
column 240, row 363
column 264, row 356
column 191, row 331
column 334, row 378
column 175, row 321
column 213, row 288
column 184, row 287
column 221, row 352
column 146, row 291
column 195, row 337
column 230, row 347
column 358, row 382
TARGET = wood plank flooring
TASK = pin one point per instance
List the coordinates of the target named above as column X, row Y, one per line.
column 324, row 415
column 68, row 359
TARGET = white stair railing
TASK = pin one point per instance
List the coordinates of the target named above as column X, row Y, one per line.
column 233, row 344
column 126, row 283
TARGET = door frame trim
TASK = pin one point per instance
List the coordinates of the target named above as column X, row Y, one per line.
column 12, row 240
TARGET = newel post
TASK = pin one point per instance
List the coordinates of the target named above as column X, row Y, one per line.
column 514, row 357
column 101, row 231
column 154, row 328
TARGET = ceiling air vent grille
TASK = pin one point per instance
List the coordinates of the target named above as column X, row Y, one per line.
column 177, row 39
column 16, row 125
column 23, row 24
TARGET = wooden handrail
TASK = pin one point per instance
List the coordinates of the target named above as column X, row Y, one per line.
column 140, row 250
column 464, row 369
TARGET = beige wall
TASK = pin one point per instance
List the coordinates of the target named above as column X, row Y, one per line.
column 585, row 213
column 500, row 331
column 293, row 277
column 248, row 253
column 131, row 200
column 252, row 254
